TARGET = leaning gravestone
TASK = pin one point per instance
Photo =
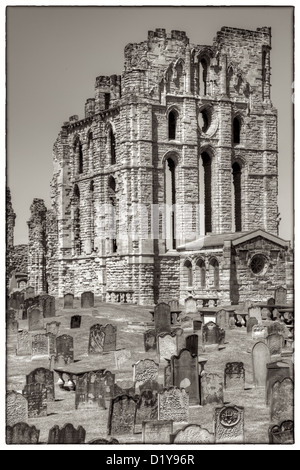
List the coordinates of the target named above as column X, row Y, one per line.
column 255, row 312
column 121, row 415
column 90, row 391
column 185, row 375
column 87, row 300
column 35, row 319
column 67, row 435
column 68, row 301
column 167, row 345
column 150, row 342
column 39, row 346
column 65, row 348
column 276, row 371
column 234, row 376
column 259, row 332
column 190, row 305
column 282, row 401
column 222, row 319
column 229, row 425
column 250, row 324
column 144, row 371
column 23, row 343
column 44, row 377
column 280, row 296
column 275, row 344
column 22, row 434
column 192, row 434
column 212, row 389
column 157, row 432
column 282, row 434
column 192, row 344
column 146, row 409
column 110, row 338
column 96, row 340
column 16, row 408
column 53, row 328
column 173, row 405
column 75, row 322
column 36, row 395
column 260, row 359
column 47, row 304
column 162, row 318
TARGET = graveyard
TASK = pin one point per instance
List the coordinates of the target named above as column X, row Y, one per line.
column 129, row 374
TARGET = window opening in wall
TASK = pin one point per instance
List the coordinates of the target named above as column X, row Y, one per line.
column 237, row 197
column 172, row 125
column 205, row 191
column 236, row 131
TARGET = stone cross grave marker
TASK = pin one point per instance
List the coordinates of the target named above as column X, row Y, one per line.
column 121, row 416
column 276, row 371
column 23, row 343
column 282, row 433
column 44, row 377
column 275, row 344
column 39, row 345
column 35, row 319
column 190, row 305
column 234, row 376
column 67, row 435
column 260, row 359
column 229, row 425
column 167, row 345
column 146, row 409
column 16, row 408
column 173, row 405
column 192, row 344
column 144, row 371
column 22, row 433
column 162, row 318
column 280, row 296
column 157, row 432
column 75, row 322
column 192, row 434
column 212, row 389
column 282, row 401
column 47, row 304
column 87, row 300
column 222, row 319
column 96, row 339
column 36, row 395
column 90, row 391
column 150, row 341
column 68, row 301
column 185, row 374
column 65, row 348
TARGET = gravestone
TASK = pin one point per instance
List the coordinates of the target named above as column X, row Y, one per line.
column 110, row 338
column 275, row 344
column 173, row 405
column 167, row 345
column 121, row 415
column 276, row 371
column 212, row 335
column 65, row 348
column 222, row 319
column 121, row 389
column 53, row 328
column 280, row 296
column 282, row 401
column 231, row 322
column 121, row 357
column 51, row 344
column 190, row 305
column 68, row 301
column 250, row 324
column 96, row 339
column 90, row 391
column 144, row 371
column 234, row 376
column 47, row 304
column 162, row 318
column 39, row 345
column 44, row 377
column 12, row 325
column 192, row 344
column 157, row 432
column 275, row 327
column 150, row 341
column 255, row 312
column 282, row 434
column 36, row 396
column 197, row 325
column 146, row 409
column 185, row 375
column 259, row 332
column 75, row 322
column 22, row 434
column 192, row 434
column 35, row 319
column 28, row 303
column 151, row 385
column 23, row 343
column 260, row 358
column 87, row 300
column 229, row 425
column 16, row 408
column 103, row 442
column 168, row 379
column 16, row 300
column 67, row 435
column 29, row 292
column 265, row 314
column 212, row 389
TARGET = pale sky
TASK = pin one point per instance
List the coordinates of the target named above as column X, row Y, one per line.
column 55, row 53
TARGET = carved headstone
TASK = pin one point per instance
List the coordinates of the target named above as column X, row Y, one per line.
column 229, row 425
column 276, row 371
column 68, row 301
column 23, row 343
column 47, row 304
column 121, row 416
column 167, row 345
column 40, row 345
column 275, row 327
column 150, row 342
column 16, row 408
column 173, row 405
column 185, row 375
column 275, row 344
column 192, row 434
column 250, row 324
column 53, row 328
column 259, row 332
column 260, row 359
column 110, row 338
column 222, row 319
column 146, row 409
column 28, row 303
column 87, row 300
column 265, row 314
column 212, row 334
column 65, row 348
column 16, row 300
column 212, row 389
column 45, row 377
column 121, row 357
column 157, row 432
column 234, row 376
column 192, row 344
column 35, row 319
column 22, row 433
column 162, row 318
column 255, row 312
column 168, row 379
column 151, row 385
column 90, row 391
column 280, row 296
column 36, row 395
column 282, row 401
column 96, row 340
column 67, row 435
column 190, row 305
column 144, row 371
column 75, row 322
column 282, row 434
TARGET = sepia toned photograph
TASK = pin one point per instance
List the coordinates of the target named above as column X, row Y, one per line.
column 149, row 228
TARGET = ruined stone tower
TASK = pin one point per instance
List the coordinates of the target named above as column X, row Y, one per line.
column 169, row 183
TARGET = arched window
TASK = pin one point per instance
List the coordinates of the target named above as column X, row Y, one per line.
column 78, row 155
column 202, row 272
column 205, row 191
column 203, row 74
column 229, row 79
column 214, row 268
column 170, row 198
column 76, row 221
column 237, row 197
column 236, row 130
column 112, row 147
column 172, row 125
column 113, row 202
column 188, row 269
column 92, row 215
